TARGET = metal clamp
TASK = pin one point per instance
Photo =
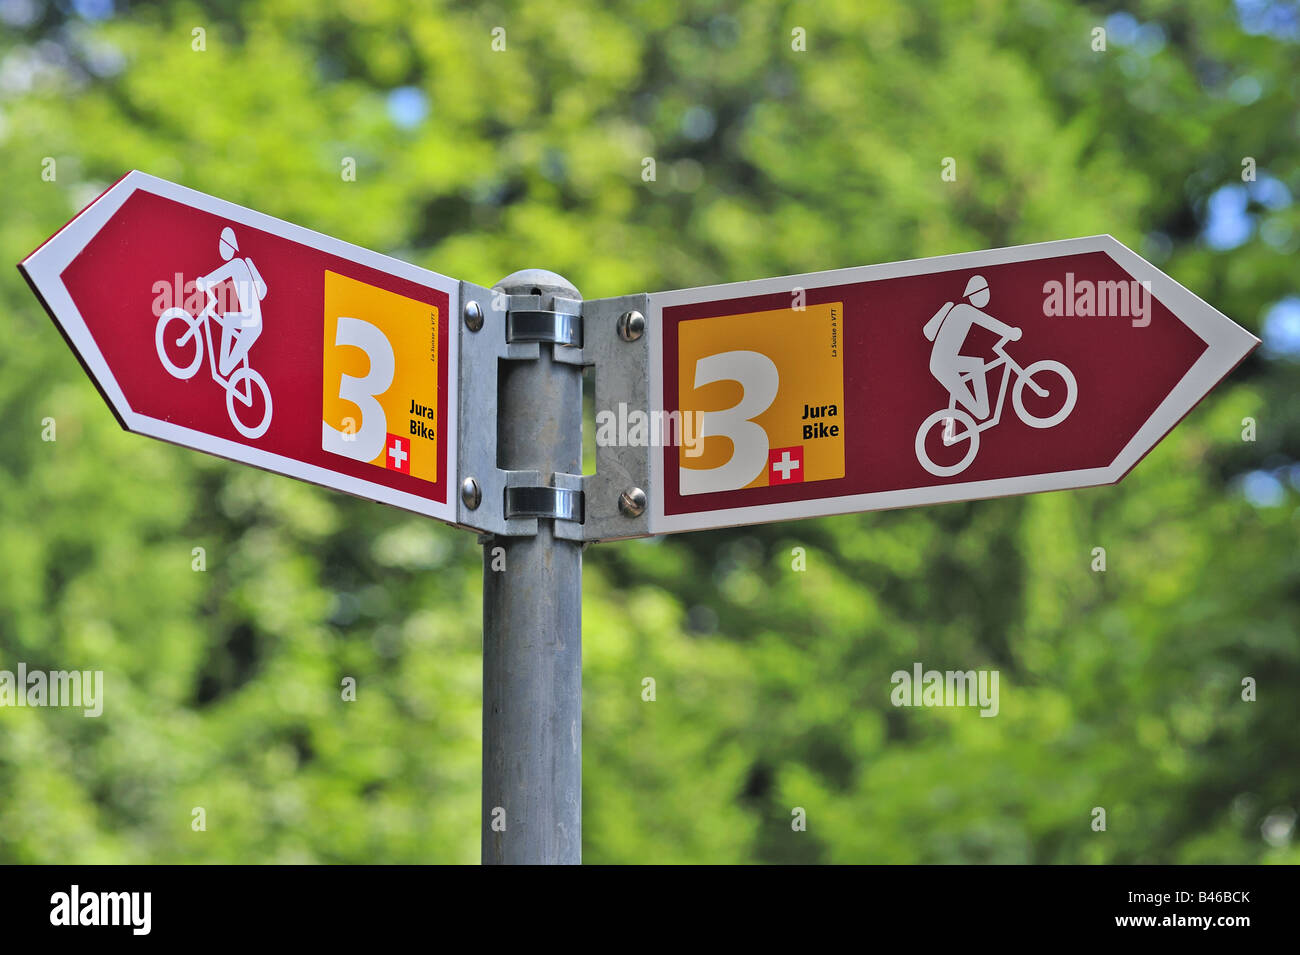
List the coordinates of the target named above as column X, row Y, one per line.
column 555, row 503
column 556, row 328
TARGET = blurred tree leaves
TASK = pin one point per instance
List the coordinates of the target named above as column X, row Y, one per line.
column 1119, row 689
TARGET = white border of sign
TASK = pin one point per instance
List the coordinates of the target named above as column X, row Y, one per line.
column 1228, row 344
column 45, row 266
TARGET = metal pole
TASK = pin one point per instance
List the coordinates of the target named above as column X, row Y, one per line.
column 532, row 623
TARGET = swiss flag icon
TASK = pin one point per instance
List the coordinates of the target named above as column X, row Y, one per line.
column 785, row 465
column 397, row 454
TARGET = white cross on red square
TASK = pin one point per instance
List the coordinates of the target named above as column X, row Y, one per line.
column 785, row 465
column 397, row 454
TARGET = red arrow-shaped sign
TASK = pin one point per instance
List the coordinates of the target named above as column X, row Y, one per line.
column 222, row 329
column 1036, row 368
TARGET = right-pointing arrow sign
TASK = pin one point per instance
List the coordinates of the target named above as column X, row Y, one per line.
column 1035, row 368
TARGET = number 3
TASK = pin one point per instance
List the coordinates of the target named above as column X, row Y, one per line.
column 760, row 380
column 368, row 443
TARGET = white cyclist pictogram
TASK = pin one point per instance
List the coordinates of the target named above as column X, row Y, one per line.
column 966, row 378
column 240, row 321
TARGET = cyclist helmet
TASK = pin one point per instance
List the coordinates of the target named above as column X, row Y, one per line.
column 228, row 244
column 977, row 291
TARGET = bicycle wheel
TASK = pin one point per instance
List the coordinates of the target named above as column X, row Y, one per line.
column 168, row 333
column 962, row 428
column 1047, row 372
column 254, row 385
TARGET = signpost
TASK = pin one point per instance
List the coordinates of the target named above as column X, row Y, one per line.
column 1037, row 368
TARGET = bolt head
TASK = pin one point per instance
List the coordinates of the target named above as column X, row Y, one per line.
column 631, row 326
column 470, row 493
column 473, row 316
column 632, row 502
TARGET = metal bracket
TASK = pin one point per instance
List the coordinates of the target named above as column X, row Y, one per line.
column 610, row 334
column 495, row 327
column 616, row 341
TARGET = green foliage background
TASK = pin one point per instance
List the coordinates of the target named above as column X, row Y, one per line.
column 1119, row 690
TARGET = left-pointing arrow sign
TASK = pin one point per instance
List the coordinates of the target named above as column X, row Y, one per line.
column 218, row 328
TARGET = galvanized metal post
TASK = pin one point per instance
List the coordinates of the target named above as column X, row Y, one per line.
column 532, row 622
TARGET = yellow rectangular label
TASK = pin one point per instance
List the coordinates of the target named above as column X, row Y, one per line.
column 767, row 390
column 380, row 389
